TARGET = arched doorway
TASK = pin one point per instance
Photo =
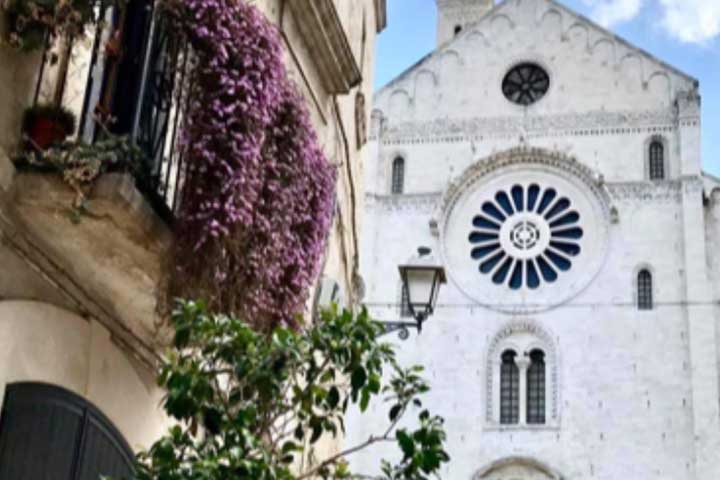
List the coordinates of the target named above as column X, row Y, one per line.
column 517, row 468
column 49, row 433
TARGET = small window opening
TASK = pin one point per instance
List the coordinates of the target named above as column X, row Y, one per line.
column 458, row 29
column 644, row 290
column 398, row 175
column 536, row 388
column 657, row 160
column 509, row 389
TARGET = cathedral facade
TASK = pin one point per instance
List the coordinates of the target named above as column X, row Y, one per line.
column 555, row 171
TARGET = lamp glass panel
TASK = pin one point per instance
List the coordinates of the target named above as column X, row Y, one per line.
column 420, row 285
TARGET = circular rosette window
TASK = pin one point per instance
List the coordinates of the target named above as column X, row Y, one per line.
column 525, row 236
column 524, row 240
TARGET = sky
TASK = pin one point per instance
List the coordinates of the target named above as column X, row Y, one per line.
column 683, row 33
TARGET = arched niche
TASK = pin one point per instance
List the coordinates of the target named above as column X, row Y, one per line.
column 517, row 468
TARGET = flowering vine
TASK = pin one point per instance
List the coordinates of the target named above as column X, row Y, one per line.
column 258, row 196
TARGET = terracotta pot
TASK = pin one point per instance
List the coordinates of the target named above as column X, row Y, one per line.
column 45, row 132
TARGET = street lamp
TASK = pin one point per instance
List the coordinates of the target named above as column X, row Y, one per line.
column 421, row 278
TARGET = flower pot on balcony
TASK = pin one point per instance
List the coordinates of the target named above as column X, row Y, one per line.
column 45, row 126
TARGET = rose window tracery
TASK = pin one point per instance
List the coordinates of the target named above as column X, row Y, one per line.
column 525, row 84
column 526, row 235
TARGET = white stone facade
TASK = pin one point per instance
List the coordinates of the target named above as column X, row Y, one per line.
column 629, row 393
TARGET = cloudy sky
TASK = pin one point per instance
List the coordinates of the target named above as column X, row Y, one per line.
column 684, row 33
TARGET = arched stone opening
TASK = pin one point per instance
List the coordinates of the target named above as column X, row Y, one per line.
column 517, row 468
column 42, row 343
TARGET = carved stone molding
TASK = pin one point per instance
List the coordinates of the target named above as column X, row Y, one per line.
column 523, row 164
column 534, row 467
column 665, row 191
column 547, row 344
column 420, row 203
column 323, row 32
column 579, row 124
column 520, row 155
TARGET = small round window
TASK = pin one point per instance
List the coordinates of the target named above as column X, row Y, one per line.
column 525, row 84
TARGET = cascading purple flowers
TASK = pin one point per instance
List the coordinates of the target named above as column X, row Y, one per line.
column 258, row 196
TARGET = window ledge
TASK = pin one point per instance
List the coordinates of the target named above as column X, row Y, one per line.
column 321, row 28
column 521, row 428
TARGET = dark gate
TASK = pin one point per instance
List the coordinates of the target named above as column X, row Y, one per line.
column 48, row 433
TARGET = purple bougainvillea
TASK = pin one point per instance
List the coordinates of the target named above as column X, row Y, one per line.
column 258, row 196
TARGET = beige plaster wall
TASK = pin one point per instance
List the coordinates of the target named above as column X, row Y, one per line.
column 335, row 122
column 43, row 343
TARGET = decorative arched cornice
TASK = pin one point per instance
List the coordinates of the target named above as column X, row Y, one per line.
column 523, row 155
column 521, row 326
column 502, row 338
column 528, row 462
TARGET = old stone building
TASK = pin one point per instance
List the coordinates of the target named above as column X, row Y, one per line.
column 556, row 171
column 79, row 327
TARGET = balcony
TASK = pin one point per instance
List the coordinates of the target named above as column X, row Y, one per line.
column 127, row 79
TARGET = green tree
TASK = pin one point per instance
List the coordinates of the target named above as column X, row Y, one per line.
column 251, row 406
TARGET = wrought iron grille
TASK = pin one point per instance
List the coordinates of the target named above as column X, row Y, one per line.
column 536, row 388
column 163, row 100
column 509, row 389
column 644, row 290
column 657, row 161
column 138, row 84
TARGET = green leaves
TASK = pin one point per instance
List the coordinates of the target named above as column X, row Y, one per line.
column 359, row 377
column 249, row 406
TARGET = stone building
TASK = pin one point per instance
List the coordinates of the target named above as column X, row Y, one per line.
column 555, row 169
column 79, row 328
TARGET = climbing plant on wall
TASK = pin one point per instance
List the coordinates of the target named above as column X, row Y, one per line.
column 258, row 196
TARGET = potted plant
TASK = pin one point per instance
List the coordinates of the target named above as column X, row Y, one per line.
column 46, row 125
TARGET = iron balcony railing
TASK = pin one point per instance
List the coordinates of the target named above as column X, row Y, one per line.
column 131, row 79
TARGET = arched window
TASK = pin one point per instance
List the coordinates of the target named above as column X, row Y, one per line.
column 657, row 160
column 509, row 389
column 644, row 290
column 398, row 175
column 536, row 388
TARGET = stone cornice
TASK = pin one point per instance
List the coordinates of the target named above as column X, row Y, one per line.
column 323, row 32
column 664, row 191
column 380, row 15
column 579, row 124
column 422, row 202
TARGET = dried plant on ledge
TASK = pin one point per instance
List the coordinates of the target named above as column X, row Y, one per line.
column 80, row 164
column 257, row 200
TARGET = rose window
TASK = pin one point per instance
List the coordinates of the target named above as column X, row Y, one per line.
column 525, row 236
column 525, row 84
